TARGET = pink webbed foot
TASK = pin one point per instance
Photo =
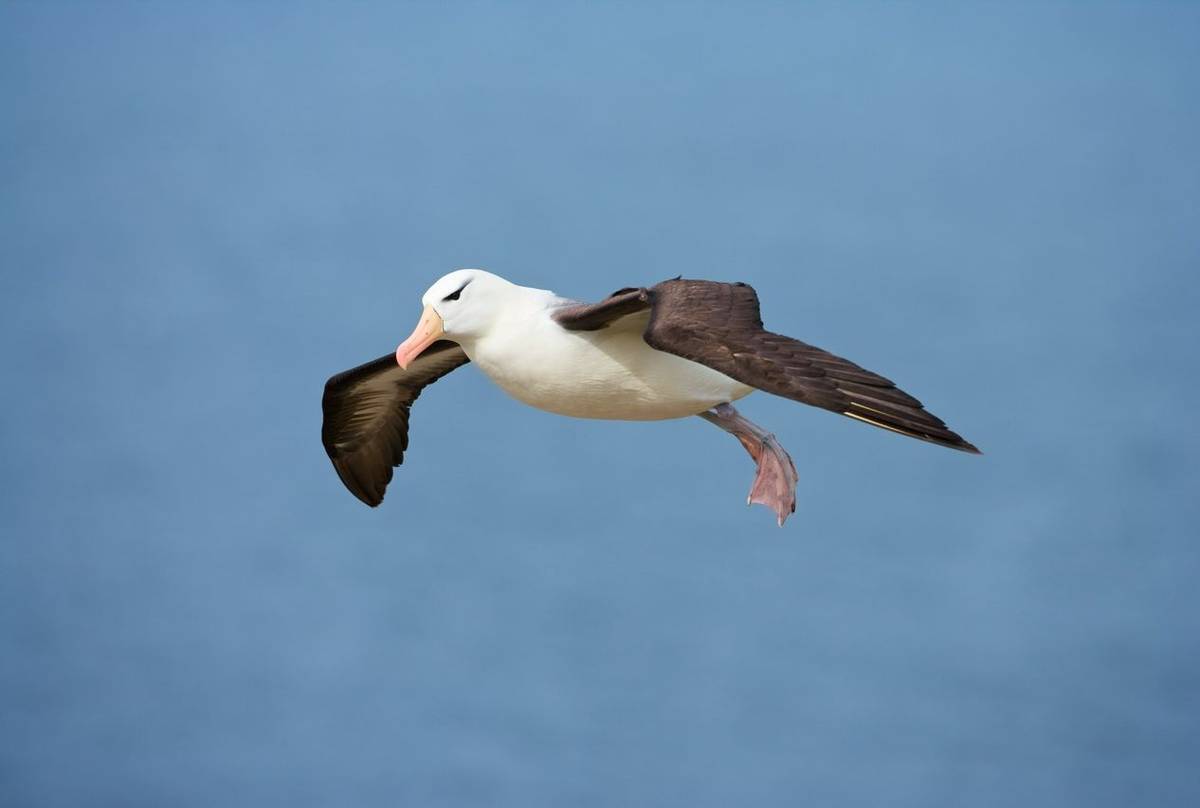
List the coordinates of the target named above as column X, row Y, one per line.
column 776, row 478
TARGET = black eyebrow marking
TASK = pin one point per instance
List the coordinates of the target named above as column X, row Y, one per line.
column 454, row 295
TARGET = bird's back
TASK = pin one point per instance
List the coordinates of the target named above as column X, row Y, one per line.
column 610, row 373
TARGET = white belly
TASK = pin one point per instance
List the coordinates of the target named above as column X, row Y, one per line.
column 600, row 374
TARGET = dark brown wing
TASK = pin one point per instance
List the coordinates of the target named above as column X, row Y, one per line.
column 718, row 325
column 365, row 427
column 594, row 316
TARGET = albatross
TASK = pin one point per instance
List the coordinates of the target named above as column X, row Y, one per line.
column 677, row 349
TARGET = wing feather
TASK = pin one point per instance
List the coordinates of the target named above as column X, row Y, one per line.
column 594, row 316
column 719, row 325
column 366, row 409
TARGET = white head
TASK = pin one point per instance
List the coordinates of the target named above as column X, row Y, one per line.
column 459, row 306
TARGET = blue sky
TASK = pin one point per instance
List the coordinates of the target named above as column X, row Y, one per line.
column 208, row 211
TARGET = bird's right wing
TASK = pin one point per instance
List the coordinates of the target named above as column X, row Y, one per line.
column 594, row 316
column 365, row 426
column 718, row 325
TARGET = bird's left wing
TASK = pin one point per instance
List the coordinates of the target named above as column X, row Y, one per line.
column 365, row 426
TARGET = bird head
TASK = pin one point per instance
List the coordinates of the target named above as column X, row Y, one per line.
column 459, row 306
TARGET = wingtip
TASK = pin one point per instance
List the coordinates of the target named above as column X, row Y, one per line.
column 365, row 498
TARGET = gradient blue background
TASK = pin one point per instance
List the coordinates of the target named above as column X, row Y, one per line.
column 207, row 211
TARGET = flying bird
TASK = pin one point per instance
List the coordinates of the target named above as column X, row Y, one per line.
column 677, row 349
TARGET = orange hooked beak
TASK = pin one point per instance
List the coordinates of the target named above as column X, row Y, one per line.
column 429, row 329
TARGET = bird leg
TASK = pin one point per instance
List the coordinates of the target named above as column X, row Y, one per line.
column 775, row 482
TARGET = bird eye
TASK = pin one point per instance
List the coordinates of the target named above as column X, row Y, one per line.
column 455, row 294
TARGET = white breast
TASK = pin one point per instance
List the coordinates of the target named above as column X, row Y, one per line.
column 611, row 373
